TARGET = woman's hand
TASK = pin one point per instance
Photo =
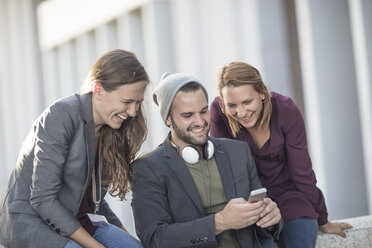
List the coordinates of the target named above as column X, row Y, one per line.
column 82, row 237
column 270, row 216
column 335, row 228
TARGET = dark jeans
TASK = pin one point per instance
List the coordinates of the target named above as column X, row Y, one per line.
column 111, row 237
column 300, row 232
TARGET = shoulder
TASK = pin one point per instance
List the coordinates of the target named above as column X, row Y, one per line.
column 61, row 114
column 157, row 153
column 63, row 106
column 216, row 108
column 284, row 106
column 282, row 102
column 69, row 104
column 215, row 105
column 285, row 113
column 238, row 152
column 216, row 102
column 149, row 159
column 229, row 144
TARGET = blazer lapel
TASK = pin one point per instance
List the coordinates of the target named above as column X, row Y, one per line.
column 87, row 114
column 176, row 163
column 224, row 168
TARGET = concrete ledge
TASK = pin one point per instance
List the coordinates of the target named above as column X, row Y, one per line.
column 360, row 236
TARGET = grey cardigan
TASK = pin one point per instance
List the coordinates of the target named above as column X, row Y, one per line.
column 52, row 173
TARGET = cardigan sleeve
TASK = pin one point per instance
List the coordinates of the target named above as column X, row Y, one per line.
column 299, row 161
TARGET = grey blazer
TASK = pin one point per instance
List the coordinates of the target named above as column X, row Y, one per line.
column 167, row 208
column 52, row 173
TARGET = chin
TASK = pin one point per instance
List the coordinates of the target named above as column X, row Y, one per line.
column 248, row 125
column 116, row 126
column 203, row 139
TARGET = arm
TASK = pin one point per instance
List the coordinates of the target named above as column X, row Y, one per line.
column 153, row 217
column 219, row 124
column 53, row 134
column 84, row 239
column 299, row 162
column 302, row 173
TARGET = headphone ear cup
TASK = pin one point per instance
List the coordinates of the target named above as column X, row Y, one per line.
column 190, row 154
column 208, row 150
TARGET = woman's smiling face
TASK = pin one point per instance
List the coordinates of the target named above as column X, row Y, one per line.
column 243, row 103
column 114, row 107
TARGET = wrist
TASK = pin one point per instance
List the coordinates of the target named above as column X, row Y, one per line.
column 322, row 227
column 219, row 224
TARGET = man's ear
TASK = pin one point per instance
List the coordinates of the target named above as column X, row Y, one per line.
column 168, row 122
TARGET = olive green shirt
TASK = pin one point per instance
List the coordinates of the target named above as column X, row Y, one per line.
column 208, row 182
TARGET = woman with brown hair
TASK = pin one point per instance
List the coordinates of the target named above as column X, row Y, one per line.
column 274, row 128
column 79, row 148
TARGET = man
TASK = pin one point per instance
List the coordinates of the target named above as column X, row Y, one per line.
column 192, row 190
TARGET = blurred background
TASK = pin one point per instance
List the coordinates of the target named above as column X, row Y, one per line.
column 319, row 52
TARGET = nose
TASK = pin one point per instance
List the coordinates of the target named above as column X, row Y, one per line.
column 132, row 109
column 199, row 120
column 240, row 112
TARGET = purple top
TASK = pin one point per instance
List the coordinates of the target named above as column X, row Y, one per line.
column 283, row 162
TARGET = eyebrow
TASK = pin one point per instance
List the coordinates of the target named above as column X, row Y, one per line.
column 245, row 100
column 131, row 100
column 186, row 113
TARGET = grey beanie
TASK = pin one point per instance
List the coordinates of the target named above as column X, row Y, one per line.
column 169, row 85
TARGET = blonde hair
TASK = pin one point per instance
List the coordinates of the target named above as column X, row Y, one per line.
column 117, row 148
column 236, row 74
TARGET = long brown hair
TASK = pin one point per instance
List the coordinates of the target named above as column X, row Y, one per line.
column 236, row 74
column 118, row 147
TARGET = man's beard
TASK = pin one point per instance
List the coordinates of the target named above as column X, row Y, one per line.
column 185, row 137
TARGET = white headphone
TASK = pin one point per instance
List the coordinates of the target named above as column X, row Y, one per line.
column 190, row 154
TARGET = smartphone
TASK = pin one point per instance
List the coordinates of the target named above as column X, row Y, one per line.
column 257, row 195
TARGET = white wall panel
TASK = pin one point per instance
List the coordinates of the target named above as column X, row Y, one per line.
column 21, row 81
column 362, row 40
column 68, row 82
column 85, row 49
column 331, row 98
column 158, row 47
column 51, row 76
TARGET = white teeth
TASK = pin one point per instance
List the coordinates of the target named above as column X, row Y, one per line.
column 197, row 130
column 246, row 118
column 122, row 117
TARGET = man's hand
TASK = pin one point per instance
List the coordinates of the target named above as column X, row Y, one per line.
column 237, row 214
column 270, row 215
column 335, row 228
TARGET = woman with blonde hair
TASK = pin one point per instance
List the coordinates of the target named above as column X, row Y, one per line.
column 79, row 148
column 273, row 127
